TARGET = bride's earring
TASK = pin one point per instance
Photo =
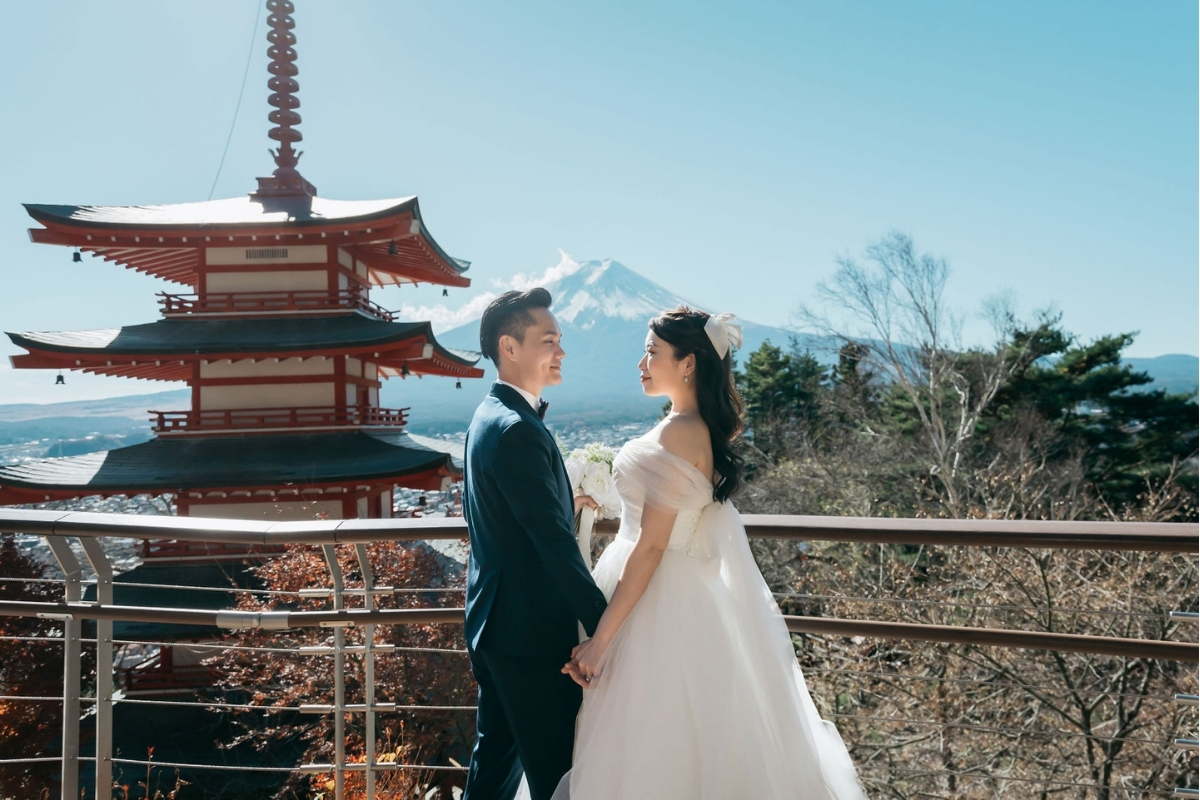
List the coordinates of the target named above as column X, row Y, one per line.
column 685, row 378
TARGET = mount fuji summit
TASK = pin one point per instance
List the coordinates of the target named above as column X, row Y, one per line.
column 602, row 308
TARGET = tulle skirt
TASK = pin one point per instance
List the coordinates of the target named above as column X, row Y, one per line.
column 700, row 697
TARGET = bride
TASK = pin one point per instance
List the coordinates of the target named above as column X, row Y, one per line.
column 693, row 687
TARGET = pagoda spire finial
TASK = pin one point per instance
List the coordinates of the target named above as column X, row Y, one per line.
column 283, row 84
column 286, row 181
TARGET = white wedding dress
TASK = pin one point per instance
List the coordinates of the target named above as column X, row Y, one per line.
column 700, row 696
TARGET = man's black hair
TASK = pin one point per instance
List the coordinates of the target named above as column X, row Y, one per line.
column 508, row 315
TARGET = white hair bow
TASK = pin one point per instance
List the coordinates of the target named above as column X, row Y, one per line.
column 722, row 332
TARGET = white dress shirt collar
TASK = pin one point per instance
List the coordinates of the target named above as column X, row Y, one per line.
column 529, row 398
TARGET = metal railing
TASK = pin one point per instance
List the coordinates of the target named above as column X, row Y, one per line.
column 241, row 419
column 59, row 529
column 258, row 303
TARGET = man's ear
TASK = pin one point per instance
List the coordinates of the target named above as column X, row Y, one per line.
column 506, row 347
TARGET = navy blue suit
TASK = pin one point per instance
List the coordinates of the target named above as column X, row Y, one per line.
column 527, row 588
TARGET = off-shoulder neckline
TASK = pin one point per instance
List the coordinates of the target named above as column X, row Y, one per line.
column 655, row 443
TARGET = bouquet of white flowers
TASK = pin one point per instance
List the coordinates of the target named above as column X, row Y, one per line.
column 590, row 470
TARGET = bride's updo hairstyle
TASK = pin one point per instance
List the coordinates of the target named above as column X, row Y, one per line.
column 720, row 404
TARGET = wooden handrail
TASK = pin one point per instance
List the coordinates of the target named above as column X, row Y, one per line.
column 998, row 637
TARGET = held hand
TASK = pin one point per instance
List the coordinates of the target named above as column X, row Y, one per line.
column 582, row 500
column 584, row 667
column 572, row 669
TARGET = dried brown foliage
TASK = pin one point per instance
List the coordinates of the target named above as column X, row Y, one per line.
column 288, row 679
column 934, row 720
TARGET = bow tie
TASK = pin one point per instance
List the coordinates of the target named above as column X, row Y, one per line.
column 542, row 406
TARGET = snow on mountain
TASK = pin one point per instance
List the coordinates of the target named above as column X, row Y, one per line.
column 602, row 307
column 607, row 289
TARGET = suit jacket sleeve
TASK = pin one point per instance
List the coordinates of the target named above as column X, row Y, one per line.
column 524, row 472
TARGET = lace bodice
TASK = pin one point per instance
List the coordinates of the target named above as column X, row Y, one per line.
column 646, row 473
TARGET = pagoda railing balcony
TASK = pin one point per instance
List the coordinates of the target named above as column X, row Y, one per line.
column 256, row 303
column 245, row 419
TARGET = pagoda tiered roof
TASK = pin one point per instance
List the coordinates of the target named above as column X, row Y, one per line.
column 166, row 349
column 266, row 466
column 168, row 241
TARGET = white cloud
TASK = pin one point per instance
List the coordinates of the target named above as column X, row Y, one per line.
column 444, row 318
column 565, row 266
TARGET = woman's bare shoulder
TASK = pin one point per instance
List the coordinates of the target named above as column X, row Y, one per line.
column 686, row 437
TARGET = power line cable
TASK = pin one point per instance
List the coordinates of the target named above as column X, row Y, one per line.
column 238, row 108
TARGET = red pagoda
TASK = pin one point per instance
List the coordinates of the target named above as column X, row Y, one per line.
column 276, row 335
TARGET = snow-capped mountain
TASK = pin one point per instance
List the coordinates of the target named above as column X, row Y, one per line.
column 602, row 308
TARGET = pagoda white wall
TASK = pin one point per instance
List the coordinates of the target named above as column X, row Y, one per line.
column 371, row 373
column 352, row 395
column 356, row 368
column 270, row 367
column 351, row 263
column 267, row 253
column 321, row 394
column 268, row 395
column 270, row 281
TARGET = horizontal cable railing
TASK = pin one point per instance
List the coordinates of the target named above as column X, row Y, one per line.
column 875, row 737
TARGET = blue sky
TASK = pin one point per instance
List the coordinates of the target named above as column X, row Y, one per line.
column 728, row 151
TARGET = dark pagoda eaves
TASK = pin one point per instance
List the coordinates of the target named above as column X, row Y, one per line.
column 265, row 462
column 165, row 240
column 163, row 350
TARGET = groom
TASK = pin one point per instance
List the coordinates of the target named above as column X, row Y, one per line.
column 527, row 584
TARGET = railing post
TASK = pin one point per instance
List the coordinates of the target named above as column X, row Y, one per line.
column 104, row 666
column 69, row 564
column 1186, row 699
column 339, row 677
column 364, row 564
